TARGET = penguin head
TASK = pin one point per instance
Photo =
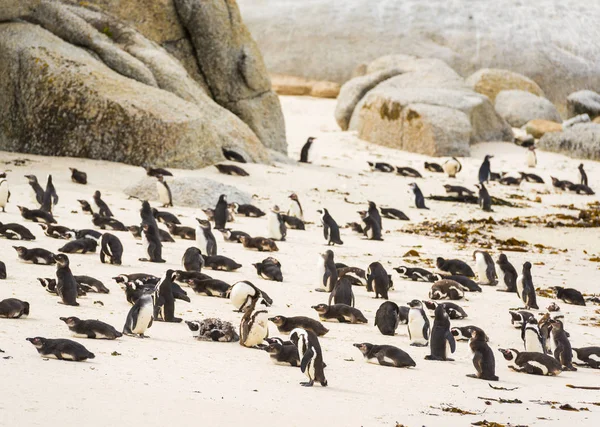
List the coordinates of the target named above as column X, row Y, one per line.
column 277, row 320
column 203, row 223
column 320, row 308
column 193, row 325
column 275, row 209
column 31, row 178
column 297, row 335
column 223, row 198
column 20, row 249
column 364, row 347
column 310, row 139
column 439, row 261
column 293, row 196
column 440, row 313
column 509, row 354
column 61, row 260
column 70, row 321
column 401, row 270
column 23, row 209
column 97, row 194
column 527, row 266
column 415, row 304
column 488, row 157
column 328, row 255
column 37, row 341
column 502, row 259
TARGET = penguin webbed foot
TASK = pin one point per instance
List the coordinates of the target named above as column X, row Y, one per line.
column 307, row 384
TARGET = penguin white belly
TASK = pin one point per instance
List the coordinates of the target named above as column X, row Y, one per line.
column 201, row 242
column 67, row 356
column 143, row 319
column 3, row 194
column 259, row 330
column 539, row 365
column 239, row 293
column 552, row 345
column 163, row 194
column 41, row 260
column 532, row 342
column 415, row 326
column 80, row 335
column 320, row 272
column 593, row 357
column 100, row 336
column 450, row 168
column 389, row 360
column 310, row 369
column 294, row 210
column 520, row 285
column 481, row 267
column 50, row 356
column 531, row 159
column 370, row 233
column 501, row 283
column 273, row 224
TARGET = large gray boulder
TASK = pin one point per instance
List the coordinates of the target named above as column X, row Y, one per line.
column 552, row 43
column 580, row 141
column 491, row 81
column 584, row 102
column 518, row 107
column 15, row 9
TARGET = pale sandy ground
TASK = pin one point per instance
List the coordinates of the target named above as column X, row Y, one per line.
column 171, row 379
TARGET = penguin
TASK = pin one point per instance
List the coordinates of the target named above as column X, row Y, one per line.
column 454, row 311
column 446, row 289
column 371, row 228
column 262, row 244
column 66, row 285
column 387, row 318
column 408, row 172
column 458, row 191
column 165, row 217
column 2, row 270
column 331, row 231
column 562, row 346
column 373, row 212
column 342, row 292
column 531, row 177
column 103, row 222
column 150, row 171
column 192, row 259
column 165, row 303
column 327, row 273
column 231, row 170
column 86, row 208
column 562, row 185
column 36, row 215
column 220, row 262
column 247, row 210
column 295, row 208
column 531, row 157
column 61, row 349
column 277, row 229
column 210, row 287
column 254, row 326
column 569, row 295
column 152, row 243
column 419, row 199
column 233, row 235
column 525, row 288
column 311, row 356
column 485, row 170
column 467, row 284
column 283, row 352
column 164, row 192
column 35, row 255
column 141, row 315
column 583, row 176
column 288, row 324
column 220, row 215
column 185, row 233
column 580, row 188
column 242, row 293
column 293, row 222
column 94, row 329
column 414, row 273
column 100, row 206
column 269, row 269
column 213, row 329
column 452, row 167
column 91, row 284
column 111, row 249
column 433, row 167
column 392, row 213
column 354, row 275
column 378, row 280
column 483, row 357
column 306, row 149
column 58, row 231
column 519, row 318
column 418, row 324
column 381, row 167
column 13, row 308
column 466, row 332
column 37, row 195
column 483, row 199
column 15, row 232
column 79, row 246
column 531, row 362
column 440, row 336
column 590, row 356
column 486, row 270
column 507, row 275
column 341, row 312
column 454, row 266
column 164, row 236
column 78, row 177
column 386, row 355
column 205, row 240
column 233, row 155
column 509, row 180
column 50, row 196
column 4, row 194
column 531, row 336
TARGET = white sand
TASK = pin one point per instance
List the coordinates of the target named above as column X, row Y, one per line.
column 171, row 379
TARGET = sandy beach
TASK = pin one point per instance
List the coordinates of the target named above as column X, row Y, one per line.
column 172, row 379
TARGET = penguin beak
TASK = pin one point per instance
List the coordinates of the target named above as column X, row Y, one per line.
column 64, row 319
column 357, row 345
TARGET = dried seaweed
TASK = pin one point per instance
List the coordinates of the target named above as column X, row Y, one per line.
column 411, row 253
column 581, row 387
column 501, row 400
column 503, row 388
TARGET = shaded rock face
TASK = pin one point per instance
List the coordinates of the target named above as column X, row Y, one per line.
column 518, row 107
column 491, row 81
column 194, row 192
column 580, row 141
column 584, row 102
column 538, row 128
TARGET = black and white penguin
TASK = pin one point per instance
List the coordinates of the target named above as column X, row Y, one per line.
column 392, row 213
column 483, row 357
column 507, row 275
column 311, row 356
column 373, row 212
column 37, row 192
column 441, row 337
column 220, row 215
column 531, row 362
column 465, row 333
column 531, row 177
column 467, row 284
column 35, row 255
column 385, row 355
column 295, row 208
column 58, row 231
column 510, row 180
column 518, row 318
column 50, row 197
column 531, row 157
column 433, row 167
column 483, row 199
column 446, row 289
column 408, row 172
column 13, row 308
column 293, row 222
column 485, row 170
column 91, row 284
column 234, row 235
column 61, row 349
column 371, row 227
column 569, row 295
column 99, row 206
column 525, row 288
column 141, row 315
column 247, row 210
column 164, row 192
column 183, row 232
column 378, row 280
column 254, row 326
column 452, row 167
column 458, row 191
column 288, row 324
column 583, row 176
column 4, row 194
column 327, row 274
column 342, row 292
column 454, row 266
column 531, row 336
column 66, row 285
column 419, row 198
column 165, row 303
column 454, row 311
column 152, row 244
column 15, row 232
column 111, row 249
column 104, row 222
column 78, row 177
column 231, row 170
column 165, row 217
column 86, row 208
column 415, row 273
column 341, row 312
column 233, row 156
column 306, row 149
column 150, row 171
column 79, row 246
column 486, row 270
column 94, row 329
column 192, row 259
column 242, row 293
column 205, row 240
column 418, row 324
column 387, row 318
column 36, row 215
column 210, row 287
column 590, row 356
column 276, row 228
column 282, row 352
column 269, row 269
column 381, row 167
column 220, row 262
column 331, row 231
column 562, row 346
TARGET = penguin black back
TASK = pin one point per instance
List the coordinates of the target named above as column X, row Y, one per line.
column 221, row 213
column 440, row 335
column 305, row 150
column 378, row 280
column 485, row 170
column 484, row 199
column 233, row 155
column 66, row 285
column 419, row 198
column 583, row 175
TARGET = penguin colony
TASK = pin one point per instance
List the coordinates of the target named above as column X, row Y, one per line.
column 302, row 342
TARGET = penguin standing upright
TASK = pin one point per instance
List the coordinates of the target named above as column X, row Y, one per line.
column 525, row 288
column 419, row 199
column 531, row 157
column 484, row 264
column 100, row 206
column 277, row 229
column 164, row 192
column 220, row 214
column 50, row 197
column 311, row 356
column 531, row 336
column 141, row 315
column 37, row 193
column 418, row 324
column 507, row 275
column 295, row 208
column 152, row 243
column 371, row 227
column 66, row 286
column 306, row 149
column 326, row 272
column 483, row 357
column 331, row 231
column 562, row 346
column 205, row 240
column 452, row 167
column 254, row 326
column 441, row 336
column 373, row 212
column 4, row 194
column 484, row 199
column 378, row 280
column 485, row 170
column 192, row 259
column 583, row 175
column 165, row 304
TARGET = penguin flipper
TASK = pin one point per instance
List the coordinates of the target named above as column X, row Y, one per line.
column 326, row 231
column 306, row 358
column 478, row 362
column 451, row 341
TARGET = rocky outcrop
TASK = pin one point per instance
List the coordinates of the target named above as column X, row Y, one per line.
column 581, row 141
column 15, row 9
column 58, row 99
column 518, row 107
column 584, row 102
column 552, row 45
column 491, row 81
column 298, row 86
column 538, row 128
